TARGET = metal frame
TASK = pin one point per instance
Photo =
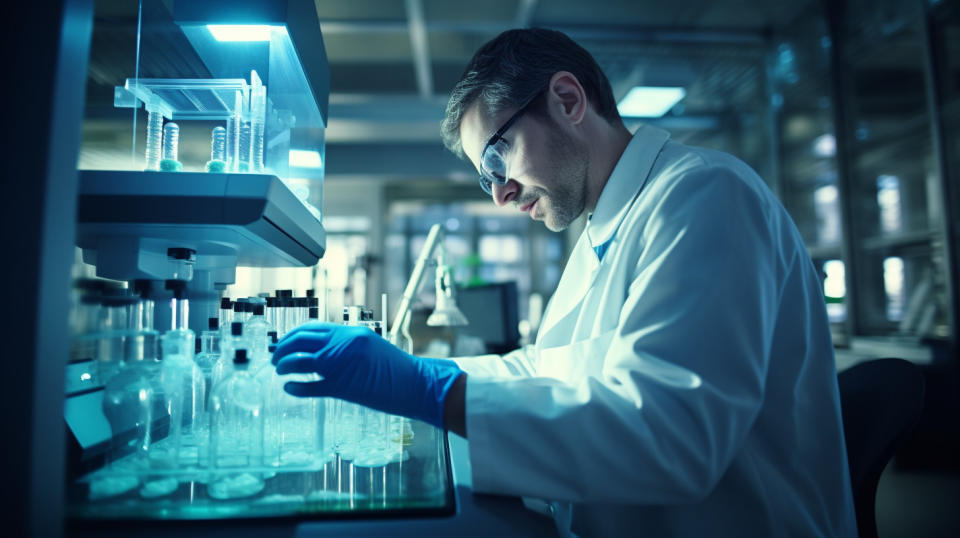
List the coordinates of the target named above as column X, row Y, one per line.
column 840, row 85
column 934, row 105
column 51, row 49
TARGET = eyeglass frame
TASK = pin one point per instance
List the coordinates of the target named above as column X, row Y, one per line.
column 487, row 184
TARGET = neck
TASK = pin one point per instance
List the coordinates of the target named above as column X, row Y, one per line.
column 607, row 143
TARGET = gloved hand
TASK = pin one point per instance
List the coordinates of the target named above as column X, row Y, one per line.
column 358, row 365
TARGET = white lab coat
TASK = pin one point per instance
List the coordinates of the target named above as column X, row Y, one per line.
column 682, row 385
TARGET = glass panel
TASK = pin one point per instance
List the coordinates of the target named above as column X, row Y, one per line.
column 945, row 30
column 894, row 185
column 800, row 74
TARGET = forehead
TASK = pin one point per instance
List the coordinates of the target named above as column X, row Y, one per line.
column 476, row 128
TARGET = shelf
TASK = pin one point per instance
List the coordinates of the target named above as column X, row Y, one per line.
column 820, row 252
column 186, row 99
column 246, row 219
column 899, row 240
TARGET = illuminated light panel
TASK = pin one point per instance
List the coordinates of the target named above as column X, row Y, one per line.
column 825, row 146
column 649, row 101
column 240, row 32
column 302, row 158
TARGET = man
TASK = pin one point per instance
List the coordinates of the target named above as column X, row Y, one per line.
column 683, row 380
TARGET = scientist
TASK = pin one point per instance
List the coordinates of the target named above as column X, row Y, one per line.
column 683, row 379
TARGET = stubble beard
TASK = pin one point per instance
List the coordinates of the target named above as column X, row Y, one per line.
column 568, row 197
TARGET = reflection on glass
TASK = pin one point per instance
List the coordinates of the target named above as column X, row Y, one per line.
column 827, row 209
column 888, row 201
column 893, row 285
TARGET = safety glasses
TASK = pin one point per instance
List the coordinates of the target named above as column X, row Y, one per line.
column 493, row 162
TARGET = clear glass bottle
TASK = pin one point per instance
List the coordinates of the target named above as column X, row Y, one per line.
column 236, row 433
column 117, row 329
column 132, row 403
column 209, row 356
column 235, row 340
column 145, row 345
column 256, row 329
column 184, row 385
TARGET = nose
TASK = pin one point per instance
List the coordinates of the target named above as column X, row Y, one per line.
column 504, row 194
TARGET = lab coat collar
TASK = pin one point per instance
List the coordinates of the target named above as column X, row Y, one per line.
column 625, row 182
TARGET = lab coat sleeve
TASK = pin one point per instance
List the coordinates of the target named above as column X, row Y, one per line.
column 683, row 378
column 517, row 363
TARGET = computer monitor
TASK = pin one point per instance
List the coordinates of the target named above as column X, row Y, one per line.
column 492, row 311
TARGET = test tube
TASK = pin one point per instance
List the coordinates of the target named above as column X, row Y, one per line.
column 171, row 145
column 258, row 104
column 154, row 139
column 218, row 144
column 233, row 132
column 243, row 165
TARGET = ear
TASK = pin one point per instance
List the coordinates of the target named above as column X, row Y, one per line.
column 565, row 98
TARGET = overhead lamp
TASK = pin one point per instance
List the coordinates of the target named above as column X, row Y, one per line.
column 649, row 101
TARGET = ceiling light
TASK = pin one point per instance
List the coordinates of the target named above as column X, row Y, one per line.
column 649, row 101
column 240, row 32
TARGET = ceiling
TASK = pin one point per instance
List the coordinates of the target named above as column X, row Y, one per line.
column 394, row 62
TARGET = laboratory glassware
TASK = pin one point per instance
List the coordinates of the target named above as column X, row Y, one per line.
column 236, row 433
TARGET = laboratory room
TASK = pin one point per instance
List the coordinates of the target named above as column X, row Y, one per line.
column 511, row 268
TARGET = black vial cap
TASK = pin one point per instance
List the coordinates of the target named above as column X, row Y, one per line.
column 258, row 309
column 286, row 293
column 313, row 302
column 271, row 302
column 196, row 345
column 314, row 313
column 311, row 293
column 273, row 336
column 301, row 302
column 142, row 287
column 213, row 324
column 240, row 357
column 346, row 314
column 236, row 328
column 178, row 287
column 226, row 304
column 272, row 347
column 239, row 307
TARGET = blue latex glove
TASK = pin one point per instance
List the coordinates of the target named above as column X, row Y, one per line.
column 358, row 365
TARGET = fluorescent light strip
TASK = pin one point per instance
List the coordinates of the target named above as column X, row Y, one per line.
column 240, row 32
column 302, row 158
column 649, row 101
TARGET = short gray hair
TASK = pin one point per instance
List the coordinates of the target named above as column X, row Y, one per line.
column 513, row 68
